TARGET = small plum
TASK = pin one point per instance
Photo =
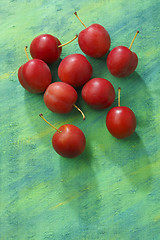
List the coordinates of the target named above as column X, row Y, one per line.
column 47, row 48
column 121, row 61
column 121, row 121
column 60, row 97
column 75, row 70
column 68, row 141
column 94, row 40
column 98, row 93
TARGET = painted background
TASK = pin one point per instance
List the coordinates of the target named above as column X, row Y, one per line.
column 111, row 191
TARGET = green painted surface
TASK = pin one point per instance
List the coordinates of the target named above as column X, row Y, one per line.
column 110, row 192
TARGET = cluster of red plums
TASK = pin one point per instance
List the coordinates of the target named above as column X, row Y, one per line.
column 76, row 71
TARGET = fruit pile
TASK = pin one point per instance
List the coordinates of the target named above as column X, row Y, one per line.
column 76, row 71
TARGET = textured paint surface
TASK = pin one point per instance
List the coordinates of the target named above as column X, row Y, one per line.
column 111, row 191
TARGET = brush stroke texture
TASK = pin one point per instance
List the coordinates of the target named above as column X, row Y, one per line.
column 112, row 190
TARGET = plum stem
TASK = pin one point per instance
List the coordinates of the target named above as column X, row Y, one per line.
column 41, row 115
column 119, row 93
column 80, row 111
column 75, row 13
column 68, row 41
column 133, row 39
column 25, row 49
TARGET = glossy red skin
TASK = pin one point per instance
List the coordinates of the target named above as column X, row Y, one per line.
column 70, row 142
column 59, row 97
column 94, row 41
column 98, row 93
column 75, row 70
column 121, row 122
column 35, row 76
column 45, row 47
column 121, row 61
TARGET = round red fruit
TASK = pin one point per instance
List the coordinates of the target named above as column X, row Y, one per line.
column 59, row 97
column 121, row 122
column 94, row 41
column 35, row 76
column 75, row 70
column 98, row 93
column 121, row 61
column 45, row 47
column 70, row 142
